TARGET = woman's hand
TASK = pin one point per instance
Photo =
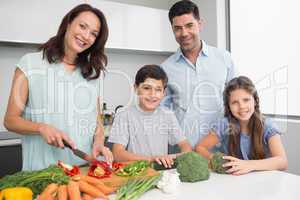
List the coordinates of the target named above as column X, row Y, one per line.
column 167, row 160
column 100, row 149
column 54, row 137
column 237, row 166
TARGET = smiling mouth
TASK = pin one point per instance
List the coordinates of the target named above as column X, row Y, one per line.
column 243, row 113
column 151, row 101
column 80, row 43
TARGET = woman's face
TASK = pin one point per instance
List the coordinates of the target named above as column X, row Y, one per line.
column 82, row 32
column 241, row 104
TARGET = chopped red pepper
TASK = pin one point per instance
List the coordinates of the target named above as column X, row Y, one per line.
column 117, row 165
column 100, row 169
column 68, row 169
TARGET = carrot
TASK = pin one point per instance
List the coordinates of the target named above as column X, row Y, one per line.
column 98, row 184
column 62, row 192
column 91, row 180
column 91, row 190
column 86, row 197
column 73, row 190
column 48, row 192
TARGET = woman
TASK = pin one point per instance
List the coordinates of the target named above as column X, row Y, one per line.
column 55, row 92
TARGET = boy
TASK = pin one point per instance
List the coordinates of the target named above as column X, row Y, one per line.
column 146, row 129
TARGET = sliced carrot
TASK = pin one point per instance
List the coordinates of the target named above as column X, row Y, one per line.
column 91, row 190
column 86, row 197
column 62, row 192
column 98, row 184
column 73, row 190
column 48, row 191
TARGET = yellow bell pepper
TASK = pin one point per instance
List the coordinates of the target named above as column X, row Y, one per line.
column 16, row 193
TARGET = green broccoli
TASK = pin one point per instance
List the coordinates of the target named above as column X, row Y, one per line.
column 192, row 167
column 216, row 163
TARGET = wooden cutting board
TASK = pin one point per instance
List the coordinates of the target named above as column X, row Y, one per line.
column 117, row 181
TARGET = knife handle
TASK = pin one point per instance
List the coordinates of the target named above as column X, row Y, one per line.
column 67, row 145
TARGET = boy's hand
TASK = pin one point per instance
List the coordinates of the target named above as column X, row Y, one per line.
column 167, row 160
column 237, row 166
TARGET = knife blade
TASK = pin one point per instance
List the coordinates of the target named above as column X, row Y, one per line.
column 79, row 153
column 83, row 155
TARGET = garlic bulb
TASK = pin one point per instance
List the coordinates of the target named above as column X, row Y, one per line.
column 169, row 181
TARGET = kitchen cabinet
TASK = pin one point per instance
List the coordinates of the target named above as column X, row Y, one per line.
column 131, row 27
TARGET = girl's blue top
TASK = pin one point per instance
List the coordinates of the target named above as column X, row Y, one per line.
column 221, row 128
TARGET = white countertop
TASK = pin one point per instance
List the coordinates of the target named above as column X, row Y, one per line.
column 266, row 185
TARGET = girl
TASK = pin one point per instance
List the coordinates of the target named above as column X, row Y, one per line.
column 251, row 141
column 55, row 92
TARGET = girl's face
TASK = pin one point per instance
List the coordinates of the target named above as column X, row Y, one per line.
column 241, row 104
column 150, row 94
column 82, row 32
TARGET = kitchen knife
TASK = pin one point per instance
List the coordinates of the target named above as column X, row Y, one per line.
column 82, row 154
column 79, row 153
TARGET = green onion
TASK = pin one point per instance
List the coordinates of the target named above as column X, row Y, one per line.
column 135, row 188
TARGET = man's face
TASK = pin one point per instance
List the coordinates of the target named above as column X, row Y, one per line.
column 187, row 31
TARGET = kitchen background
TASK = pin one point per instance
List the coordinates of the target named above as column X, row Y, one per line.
column 124, row 60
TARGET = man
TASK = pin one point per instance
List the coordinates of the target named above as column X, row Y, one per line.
column 197, row 73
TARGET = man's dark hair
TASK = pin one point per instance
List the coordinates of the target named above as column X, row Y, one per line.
column 151, row 71
column 183, row 7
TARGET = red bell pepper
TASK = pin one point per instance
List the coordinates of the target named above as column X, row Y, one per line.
column 68, row 169
column 100, row 169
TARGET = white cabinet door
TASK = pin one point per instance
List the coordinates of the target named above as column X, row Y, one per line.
column 131, row 27
column 32, row 21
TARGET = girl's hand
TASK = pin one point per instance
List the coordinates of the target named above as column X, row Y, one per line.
column 237, row 166
column 54, row 137
column 167, row 160
column 100, row 149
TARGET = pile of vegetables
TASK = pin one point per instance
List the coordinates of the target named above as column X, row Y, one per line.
column 192, row 167
column 136, row 168
column 217, row 162
column 135, row 188
column 35, row 180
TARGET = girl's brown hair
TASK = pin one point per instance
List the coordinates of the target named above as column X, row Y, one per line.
column 255, row 125
column 91, row 61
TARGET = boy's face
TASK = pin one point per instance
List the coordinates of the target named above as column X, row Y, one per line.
column 150, row 93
